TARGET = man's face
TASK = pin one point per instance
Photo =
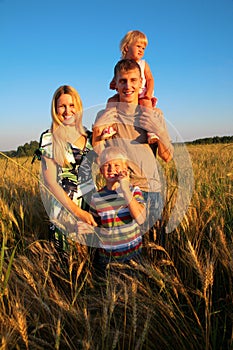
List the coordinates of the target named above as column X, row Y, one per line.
column 128, row 85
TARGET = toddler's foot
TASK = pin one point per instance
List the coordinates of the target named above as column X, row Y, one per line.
column 108, row 132
column 152, row 138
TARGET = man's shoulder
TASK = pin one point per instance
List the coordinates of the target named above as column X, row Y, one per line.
column 105, row 115
column 100, row 114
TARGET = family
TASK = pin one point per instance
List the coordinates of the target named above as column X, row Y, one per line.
column 123, row 145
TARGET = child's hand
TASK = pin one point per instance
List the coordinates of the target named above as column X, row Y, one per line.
column 112, row 85
column 145, row 103
column 123, row 178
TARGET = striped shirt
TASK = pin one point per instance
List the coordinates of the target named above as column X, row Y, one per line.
column 120, row 237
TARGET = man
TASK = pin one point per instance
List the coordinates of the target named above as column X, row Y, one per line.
column 132, row 123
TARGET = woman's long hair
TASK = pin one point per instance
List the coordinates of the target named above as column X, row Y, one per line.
column 61, row 133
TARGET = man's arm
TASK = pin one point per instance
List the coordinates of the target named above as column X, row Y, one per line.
column 153, row 121
column 97, row 144
column 104, row 118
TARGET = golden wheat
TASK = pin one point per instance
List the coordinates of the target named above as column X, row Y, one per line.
column 179, row 297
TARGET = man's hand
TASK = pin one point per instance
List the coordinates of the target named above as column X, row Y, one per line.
column 152, row 121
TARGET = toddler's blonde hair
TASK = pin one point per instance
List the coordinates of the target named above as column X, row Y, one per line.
column 131, row 37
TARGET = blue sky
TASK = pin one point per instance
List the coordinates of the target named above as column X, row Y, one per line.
column 45, row 44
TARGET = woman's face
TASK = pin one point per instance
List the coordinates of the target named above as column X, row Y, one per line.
column 65, row 109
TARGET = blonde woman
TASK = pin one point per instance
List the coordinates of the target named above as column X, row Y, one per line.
column 66, row 166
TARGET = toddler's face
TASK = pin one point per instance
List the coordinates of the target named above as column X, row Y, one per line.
column 136, row 50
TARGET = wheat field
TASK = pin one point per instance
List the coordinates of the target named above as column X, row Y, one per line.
column 178, row 298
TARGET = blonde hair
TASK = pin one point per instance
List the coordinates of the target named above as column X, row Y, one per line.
column 131, row 37
column 59, row 131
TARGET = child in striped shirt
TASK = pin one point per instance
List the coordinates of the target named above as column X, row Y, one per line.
column 119, row 209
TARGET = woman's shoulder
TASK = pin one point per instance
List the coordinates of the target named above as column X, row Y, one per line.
column 45, row 146
column 46, row 143
column 88, row 138
column 45, row 138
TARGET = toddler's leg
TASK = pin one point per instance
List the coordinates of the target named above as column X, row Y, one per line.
column 152, row 137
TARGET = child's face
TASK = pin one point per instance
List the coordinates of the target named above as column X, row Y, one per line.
column 135, row 51
column 128, row 85
column 113, row 168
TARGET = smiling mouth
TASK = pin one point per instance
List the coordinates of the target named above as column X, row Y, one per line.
column 69, row 119
column 112, row 176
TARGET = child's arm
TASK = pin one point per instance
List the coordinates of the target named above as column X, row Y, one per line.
column 149, row 81
column 137, row 209
column 112, row 84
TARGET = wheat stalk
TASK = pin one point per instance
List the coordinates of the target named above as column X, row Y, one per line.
column 22, row 324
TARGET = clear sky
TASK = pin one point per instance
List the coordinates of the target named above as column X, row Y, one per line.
column 48, row 43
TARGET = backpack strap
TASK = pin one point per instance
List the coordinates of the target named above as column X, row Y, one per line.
column 38, row 152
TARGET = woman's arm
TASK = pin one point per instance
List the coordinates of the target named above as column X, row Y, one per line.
column 49, row 170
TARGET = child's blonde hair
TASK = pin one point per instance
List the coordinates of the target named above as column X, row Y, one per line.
column 112, row 152
column 131, row 37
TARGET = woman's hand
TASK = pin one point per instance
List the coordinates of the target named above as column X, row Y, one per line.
column 86, row 217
